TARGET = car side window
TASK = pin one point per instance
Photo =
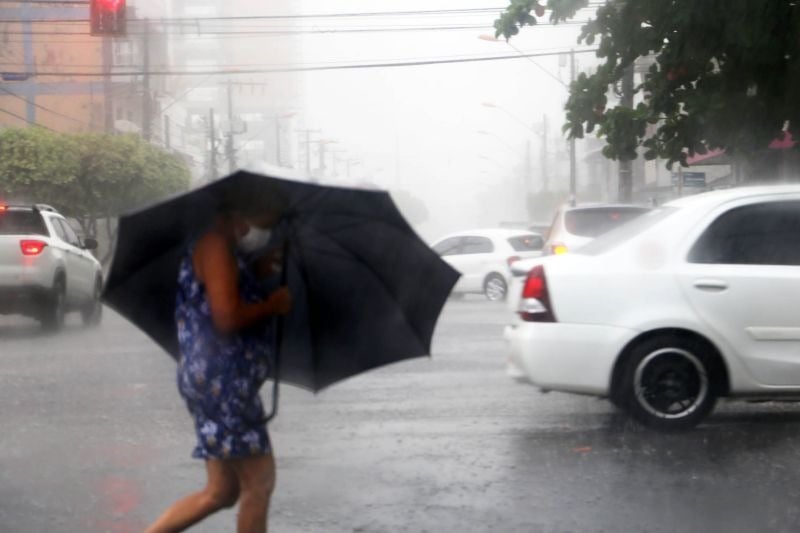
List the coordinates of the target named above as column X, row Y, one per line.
column 761, row 234
column 59, row 229
column 478, row 245
column 449, row 246
column 71, row 236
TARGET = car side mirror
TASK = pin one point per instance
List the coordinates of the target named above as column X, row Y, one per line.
column 90, row 244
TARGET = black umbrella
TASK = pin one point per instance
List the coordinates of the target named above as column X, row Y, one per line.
column 367, row 291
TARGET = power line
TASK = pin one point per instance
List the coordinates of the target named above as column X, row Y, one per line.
column 43, row 108
column 47, row 2
column 194, row 20
column 315, row 31
column 530, row 59
column 556, row 50
column 185, row 93
column 25, row 120
column 301, row 16
column 307, row 69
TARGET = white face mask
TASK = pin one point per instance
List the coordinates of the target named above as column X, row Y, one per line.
column 255, row 239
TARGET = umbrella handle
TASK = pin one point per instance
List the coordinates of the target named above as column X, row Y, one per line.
column 278, row 338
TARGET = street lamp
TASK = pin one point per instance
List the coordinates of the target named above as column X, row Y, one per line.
column 489, row 159
column 507, row 145
column 493, row 39
column 512, row 115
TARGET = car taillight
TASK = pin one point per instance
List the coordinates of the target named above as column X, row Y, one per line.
column 32, row 247
column 535, row 304
column 558, row 249
column 3, row 208
column 513, row 259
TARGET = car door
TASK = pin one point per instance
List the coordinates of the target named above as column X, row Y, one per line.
column 449, row 250
column 742, row 277
column 80, row 268
column 477, row 260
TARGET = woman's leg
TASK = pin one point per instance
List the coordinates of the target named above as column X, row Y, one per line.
column 256, row 477
column 221, row 491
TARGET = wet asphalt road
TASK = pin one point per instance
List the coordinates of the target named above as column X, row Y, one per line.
column 94, row 438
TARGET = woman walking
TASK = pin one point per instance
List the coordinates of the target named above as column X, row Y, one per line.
column 223, row 330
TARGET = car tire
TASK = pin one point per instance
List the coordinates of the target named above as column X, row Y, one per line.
column 669, row 382
column 55, row 307
column 92, row 313
column 495, row 288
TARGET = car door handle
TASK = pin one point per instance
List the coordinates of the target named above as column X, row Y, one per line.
column 710, row 284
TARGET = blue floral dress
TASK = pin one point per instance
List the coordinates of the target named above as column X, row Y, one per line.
column 219, row 376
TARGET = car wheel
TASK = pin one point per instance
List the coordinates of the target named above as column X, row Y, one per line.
column 495, row 288
column 668, row 383
column 92, row 314
column 55, row 307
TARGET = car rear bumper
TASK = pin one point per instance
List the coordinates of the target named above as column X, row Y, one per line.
column 22, row 300
column 566, row 357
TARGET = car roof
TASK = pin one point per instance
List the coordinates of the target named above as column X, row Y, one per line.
column 604, row 206
column 498, row 233
column 30, row 207
column 723, row 196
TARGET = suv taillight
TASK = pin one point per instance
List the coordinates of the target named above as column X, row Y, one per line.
column 535, row 304
column 32, row 247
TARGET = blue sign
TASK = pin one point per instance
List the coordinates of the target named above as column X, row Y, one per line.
column 15, row 76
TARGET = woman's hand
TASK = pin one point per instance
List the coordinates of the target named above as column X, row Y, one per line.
column 216, row 267
column 268, row 265
column 280, row 301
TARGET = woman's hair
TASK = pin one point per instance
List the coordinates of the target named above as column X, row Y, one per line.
column 252, row 197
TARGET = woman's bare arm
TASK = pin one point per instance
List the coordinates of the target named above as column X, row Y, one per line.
column 216, row 267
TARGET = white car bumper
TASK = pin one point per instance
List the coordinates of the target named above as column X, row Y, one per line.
column 567, row 357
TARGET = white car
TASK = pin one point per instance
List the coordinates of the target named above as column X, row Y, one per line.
column 45, row 269
column 690, row 302
column 484, row 258
column 577, row 225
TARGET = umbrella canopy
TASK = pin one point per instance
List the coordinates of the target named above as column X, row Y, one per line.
column 367, row 291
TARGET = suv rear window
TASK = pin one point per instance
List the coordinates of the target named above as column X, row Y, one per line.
column 596, row 221
column 13, row 222
column 526, row 243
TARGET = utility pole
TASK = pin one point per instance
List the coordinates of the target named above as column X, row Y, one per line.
column 308, row 152
column 545, row 177
column 146, row 103
column 212, row 156
column 573, row 170
column 230, row 152
column 307, row 143
column 528, row 177
column 321, row 159
column 108, row 88
column 278, row 140
column 167, row 140
column 626, row 166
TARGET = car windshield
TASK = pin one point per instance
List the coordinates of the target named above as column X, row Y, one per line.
column 626, row 231
column 21, row 223
column 596, row 221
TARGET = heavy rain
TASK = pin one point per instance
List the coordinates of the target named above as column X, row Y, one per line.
column 352, row 266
